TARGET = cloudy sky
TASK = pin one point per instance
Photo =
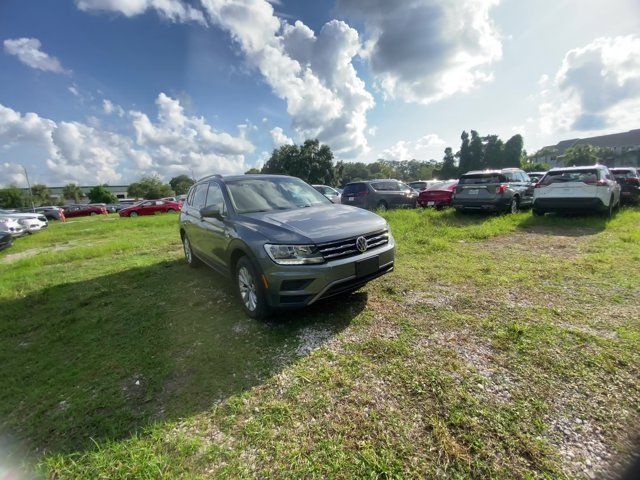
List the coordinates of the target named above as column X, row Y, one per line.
column 97, row 91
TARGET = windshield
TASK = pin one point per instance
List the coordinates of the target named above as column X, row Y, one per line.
column 565, row 176
column 482, row 179
column 623, row 173
column 266, row 194
column 442, row 185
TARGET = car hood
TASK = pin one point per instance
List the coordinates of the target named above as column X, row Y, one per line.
column 317, row 224
column 22, row 215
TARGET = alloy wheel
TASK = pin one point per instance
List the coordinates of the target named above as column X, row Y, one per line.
column 247, row 286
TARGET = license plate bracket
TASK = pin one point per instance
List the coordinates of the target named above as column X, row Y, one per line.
column 367, row 267
column 473, row 191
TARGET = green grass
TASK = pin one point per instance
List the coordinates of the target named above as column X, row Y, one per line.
column 475, row 358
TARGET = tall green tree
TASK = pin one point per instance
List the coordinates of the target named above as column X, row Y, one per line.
column 12, row 197
column 181, row 184
column 513, row 152
column 311, row 161
column 40, row 194
column 449, row 169
column 493, row 152
column 464, row 154
column 252, row 170
column 100, row 194
column 476, row 152
column 149, row 187
column 71, row 191
column 582, row 155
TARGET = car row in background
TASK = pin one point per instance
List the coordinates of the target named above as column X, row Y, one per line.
column 629, row 180
column 31, row 222
column 151, row 207
column 329, row 192
column 85, row 210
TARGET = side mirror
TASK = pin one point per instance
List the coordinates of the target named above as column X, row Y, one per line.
column 211, row 211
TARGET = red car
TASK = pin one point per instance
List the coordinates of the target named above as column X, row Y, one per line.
column 84, row 211
column 151, row 207
column 438, row 195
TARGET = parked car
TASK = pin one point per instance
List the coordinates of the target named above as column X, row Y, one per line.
column 115, row 207
column 505, row 190
column 329, row 192
column 438, row 195
column 6, row 239
column 536, row 176
column 84, row 210
column 32, row 222
column 379, row 194
column 151, row 207
column 629, row 180
column 11, row 226
column 284, row 244
column 52, row 213
column 577, row 189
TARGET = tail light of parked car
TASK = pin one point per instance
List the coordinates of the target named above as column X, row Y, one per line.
column 501, row 189
column 364, row 193
column 633, row 181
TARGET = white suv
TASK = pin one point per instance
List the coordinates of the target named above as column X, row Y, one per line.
column 577, row 189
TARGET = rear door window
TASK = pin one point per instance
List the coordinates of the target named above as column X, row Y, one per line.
column 588, row 176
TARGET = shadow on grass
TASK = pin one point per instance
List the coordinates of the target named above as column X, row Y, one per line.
column 99, row 359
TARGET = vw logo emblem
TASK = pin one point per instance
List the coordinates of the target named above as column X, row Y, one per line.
column 361, row 244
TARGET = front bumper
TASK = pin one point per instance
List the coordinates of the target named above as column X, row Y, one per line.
column 295, row 286
column 569, row 204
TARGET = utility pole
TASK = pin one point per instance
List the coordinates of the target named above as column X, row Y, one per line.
column 33, row 207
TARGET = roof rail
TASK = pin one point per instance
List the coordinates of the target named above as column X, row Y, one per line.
column 215, row 175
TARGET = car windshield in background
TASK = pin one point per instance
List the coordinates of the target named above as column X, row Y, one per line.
column 418, row 185
column 441, row 185
column 566, row 176
column 266, row 194
column 482, row 179
column 623, row 173
column 354, row 188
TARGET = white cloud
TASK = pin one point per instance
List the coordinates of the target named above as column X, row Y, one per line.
column 74, row 90
column 109, row 108
column 426, row 50
column 12, row 174
column 179, row 143
column 174, row 10
column 279, row 138
column 426, row 147
column 74, row 151
column 28, row 51
column 597, row 88
column 312, row 73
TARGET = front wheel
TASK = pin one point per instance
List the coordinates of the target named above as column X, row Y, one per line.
column 250, row 289
column 133, row 214
column 171, row 210
column 191, row 259
column 93, row 214
column 538, row 213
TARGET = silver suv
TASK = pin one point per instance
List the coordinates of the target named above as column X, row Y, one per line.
column 379, row 194
column 283, row 244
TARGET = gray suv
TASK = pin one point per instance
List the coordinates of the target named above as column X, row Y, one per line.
column 379, row 194
column 283, row 244
column 505, row 190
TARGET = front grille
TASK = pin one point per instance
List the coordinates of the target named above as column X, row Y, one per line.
column 347, row 247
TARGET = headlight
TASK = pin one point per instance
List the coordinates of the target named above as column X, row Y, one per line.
column 293, row 254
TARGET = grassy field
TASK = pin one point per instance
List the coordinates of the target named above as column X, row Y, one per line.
column 501, row 347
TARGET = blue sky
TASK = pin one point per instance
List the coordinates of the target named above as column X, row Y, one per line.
column 99, row 91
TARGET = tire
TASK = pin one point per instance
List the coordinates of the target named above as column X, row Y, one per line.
column 538, row 213
column 133, row 214
column 171, row 210
column 93, row 214
column 514, row 205
column 189, row 257
column 608, row 213
column 382, row 206
column 250, row 290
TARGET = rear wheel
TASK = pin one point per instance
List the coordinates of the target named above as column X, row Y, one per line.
column 382, row 206
column 133, row 214
column 171, row 210
column 514, row 205
column 538, row 213
column 608, row 213
column 93, row 214
column 250, row 289
column 191, row 259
